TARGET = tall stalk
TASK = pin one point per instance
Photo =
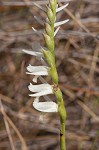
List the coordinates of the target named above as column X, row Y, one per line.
column 48, row 55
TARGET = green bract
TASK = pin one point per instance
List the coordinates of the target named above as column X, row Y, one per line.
column 49, row 30
column 49, row 57
column 49, row 42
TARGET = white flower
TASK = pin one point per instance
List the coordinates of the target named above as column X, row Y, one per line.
column 60, row 23
column 56, row 31
column 45, row 106
column 37, row 71
column 40, row 90
column 37, row 54
column 62, row 7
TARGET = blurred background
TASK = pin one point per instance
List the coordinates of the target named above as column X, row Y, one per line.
column 77, row 59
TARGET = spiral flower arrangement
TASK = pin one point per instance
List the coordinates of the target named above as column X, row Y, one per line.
column 48, row 68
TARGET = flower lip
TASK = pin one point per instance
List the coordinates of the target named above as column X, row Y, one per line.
column 40, row 90
column 37, row 70
column 46, row 92
column 45, row 106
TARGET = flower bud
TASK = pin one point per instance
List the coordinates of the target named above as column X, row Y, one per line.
column 53, row 4
column 49, row 42
column 50, row 15
column 49, row 30
column 49, row 57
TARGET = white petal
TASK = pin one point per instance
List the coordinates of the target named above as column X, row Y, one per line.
column 62, row 7
column 38, row 54
column 56, row 31
column 45, row 106
column 37, row 70
column 40, row 73
column 60, row 23
column 35, row 79
column 39, row 88
column 34, row 29
column 41, row 93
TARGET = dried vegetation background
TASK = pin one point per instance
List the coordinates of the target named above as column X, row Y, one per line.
column 77, row 59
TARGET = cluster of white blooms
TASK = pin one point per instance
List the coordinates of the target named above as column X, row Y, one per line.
column 37, row 71
column 41, row 89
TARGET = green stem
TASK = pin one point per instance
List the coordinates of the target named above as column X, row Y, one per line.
column 50, row 57
column 62, row 132
column 62, row 115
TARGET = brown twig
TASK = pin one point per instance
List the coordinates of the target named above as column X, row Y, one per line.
column 7, row 99
column 24, row 146
column 83, row 90
column 7, row 127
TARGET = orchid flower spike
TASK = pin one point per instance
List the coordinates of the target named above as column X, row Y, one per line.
column 47, row 57
column 50, row 70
